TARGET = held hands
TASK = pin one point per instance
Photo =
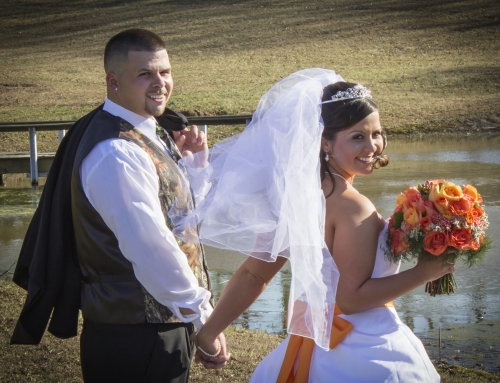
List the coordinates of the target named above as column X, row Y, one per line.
column 190, row 141
column 215, row 347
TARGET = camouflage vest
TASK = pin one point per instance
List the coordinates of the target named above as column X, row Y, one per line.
column 110, row 291
column 173, row 186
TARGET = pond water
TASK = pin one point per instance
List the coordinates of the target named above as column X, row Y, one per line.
column 462, row 328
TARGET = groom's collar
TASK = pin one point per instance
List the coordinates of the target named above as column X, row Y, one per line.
column 144, row 124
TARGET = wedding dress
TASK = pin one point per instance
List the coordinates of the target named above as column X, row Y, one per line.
column 380, row 348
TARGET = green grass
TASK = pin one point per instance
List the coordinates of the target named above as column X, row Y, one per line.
column 432, row 65
column 56, row 360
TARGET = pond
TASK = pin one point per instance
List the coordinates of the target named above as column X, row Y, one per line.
column 467, row 322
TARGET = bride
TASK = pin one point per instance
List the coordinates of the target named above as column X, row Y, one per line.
column 284, row 190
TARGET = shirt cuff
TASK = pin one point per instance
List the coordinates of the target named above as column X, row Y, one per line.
column 195, row 161
column 200, row 321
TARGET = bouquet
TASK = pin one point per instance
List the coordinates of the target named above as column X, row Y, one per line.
column 439, row 219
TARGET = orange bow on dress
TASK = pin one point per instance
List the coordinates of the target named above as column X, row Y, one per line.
column 296, row 344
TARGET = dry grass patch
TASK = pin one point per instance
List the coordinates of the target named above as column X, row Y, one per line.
column 56, row 360
column 430, row 64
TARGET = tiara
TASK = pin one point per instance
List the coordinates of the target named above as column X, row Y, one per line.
column 357, row 91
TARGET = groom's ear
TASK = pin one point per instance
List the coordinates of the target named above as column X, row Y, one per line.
column 172, row 121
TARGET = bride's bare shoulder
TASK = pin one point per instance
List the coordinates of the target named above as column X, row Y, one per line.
column 346, row 203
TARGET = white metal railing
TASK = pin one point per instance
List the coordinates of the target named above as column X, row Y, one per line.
column 62, row 126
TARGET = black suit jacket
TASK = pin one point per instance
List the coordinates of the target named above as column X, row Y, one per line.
column 47, row 266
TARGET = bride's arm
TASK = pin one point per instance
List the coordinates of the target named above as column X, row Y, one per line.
column 357, row 227
column 244, row 287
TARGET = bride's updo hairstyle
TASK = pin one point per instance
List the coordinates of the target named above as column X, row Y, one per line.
column 343, row 114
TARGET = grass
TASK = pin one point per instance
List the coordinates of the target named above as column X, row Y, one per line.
column 432, row 65
column 56, row 360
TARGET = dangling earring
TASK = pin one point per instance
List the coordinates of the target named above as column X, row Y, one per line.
column 327, row 157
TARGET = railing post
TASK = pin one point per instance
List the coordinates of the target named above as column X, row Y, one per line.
column 60, row 135
column 33, row 157
column 204, row 129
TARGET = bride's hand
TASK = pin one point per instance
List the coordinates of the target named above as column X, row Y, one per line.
column 210, row 346
column 432, row 269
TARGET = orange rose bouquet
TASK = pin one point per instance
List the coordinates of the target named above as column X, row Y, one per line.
column 439, row 219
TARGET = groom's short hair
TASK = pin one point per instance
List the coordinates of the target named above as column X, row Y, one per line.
column 136, row 39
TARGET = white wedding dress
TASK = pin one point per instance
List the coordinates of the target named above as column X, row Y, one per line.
column 380, row 348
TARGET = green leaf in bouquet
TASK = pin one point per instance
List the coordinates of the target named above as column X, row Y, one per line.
column 472, row 257
column 424, row 191
column 398, row 219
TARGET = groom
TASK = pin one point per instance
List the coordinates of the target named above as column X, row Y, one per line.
column 141, row 289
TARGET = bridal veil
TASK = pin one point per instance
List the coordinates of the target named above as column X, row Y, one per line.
column 266, row 198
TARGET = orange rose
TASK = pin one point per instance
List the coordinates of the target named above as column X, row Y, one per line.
column 460, row 239
column 452, row 192
column 479, row 209
column 442, row 207
column 430, row 210
column 448, row 190
column 435, row 192
column 472, row 191
column 412, row 216
column 400, row 200
column 435, row 242
column 462, row 206
column 425, row 223
column 436, row 182
column 474, row 246
column 469, row 217
column 414, row 199
column 398, row 243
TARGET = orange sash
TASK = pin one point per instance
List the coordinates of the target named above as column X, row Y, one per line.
column 296, row 344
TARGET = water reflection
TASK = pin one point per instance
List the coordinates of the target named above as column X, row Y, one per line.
column 468, row 320
column 267, row 313
column 18, row 201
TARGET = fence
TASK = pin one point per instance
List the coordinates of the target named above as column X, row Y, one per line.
column 31, row 163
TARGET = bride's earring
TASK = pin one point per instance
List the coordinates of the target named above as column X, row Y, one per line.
column 327, row 157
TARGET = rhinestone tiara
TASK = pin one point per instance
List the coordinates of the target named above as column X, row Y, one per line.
column 357, row 91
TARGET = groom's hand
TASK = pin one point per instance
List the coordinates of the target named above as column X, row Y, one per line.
column 212, row 362
column 190, row 141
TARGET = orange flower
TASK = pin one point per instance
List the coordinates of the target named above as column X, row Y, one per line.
column 398, row 243
column 474, row 246
column 442, row 207
column 462, row 206
column 435, row 192
column 460, row 239
column 401, row 199
column 435, row 242
column 430, row 210
column 469, row 217
column 412, row 216
column 472, row 191
column 448, row 190
column 425, row 223
column 436, row 182
column 414, row 199
column 452, row 192
column 479, row 209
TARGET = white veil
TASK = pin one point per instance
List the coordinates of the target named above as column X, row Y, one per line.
column 266, row 198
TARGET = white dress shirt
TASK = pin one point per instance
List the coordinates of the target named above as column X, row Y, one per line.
column 120, row 181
